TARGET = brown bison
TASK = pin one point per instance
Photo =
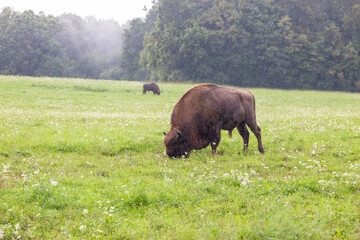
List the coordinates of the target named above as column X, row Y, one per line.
column 201, row 113
column 151, row 87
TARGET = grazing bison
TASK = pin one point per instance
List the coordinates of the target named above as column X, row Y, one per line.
column 151, row 87
column 201, row 113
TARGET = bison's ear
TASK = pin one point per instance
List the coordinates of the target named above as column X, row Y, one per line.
column 164, row 133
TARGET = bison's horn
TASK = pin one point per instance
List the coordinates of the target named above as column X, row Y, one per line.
column 177, row 131
column 164, row 133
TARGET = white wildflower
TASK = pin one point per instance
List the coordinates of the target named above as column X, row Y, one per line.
column 85, row 211
column 5, row 168
column 54, row 183
column 82, row 227
column 244, row 183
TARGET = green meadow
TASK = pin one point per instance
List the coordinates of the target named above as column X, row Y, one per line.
column 84, row 159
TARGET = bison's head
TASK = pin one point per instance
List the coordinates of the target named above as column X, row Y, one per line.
column 175, row 144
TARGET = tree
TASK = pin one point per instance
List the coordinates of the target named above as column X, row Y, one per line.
column 133, row 45
column 259, row 43
column 67, row 46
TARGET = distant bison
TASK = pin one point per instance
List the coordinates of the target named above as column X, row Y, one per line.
column 151, row 87
column 201, row 113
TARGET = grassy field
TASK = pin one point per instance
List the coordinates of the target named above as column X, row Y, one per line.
column 84, row 159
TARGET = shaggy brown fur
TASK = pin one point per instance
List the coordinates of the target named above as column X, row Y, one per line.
column 151, row 87
column 201, row 113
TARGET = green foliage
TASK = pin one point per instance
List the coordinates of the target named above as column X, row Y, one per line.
column 85, row 159
column 65, row 46
column 287, row 44
column 133, row 45
column 277, row 44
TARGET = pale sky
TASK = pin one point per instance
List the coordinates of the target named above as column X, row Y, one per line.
column 118, row 10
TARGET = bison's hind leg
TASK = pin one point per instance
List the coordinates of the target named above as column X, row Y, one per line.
column 257, row 131
column 244, row 133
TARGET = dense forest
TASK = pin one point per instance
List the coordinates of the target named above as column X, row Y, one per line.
column 66, row 46
column 305, row 44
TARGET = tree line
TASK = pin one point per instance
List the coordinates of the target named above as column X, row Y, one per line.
column 304, row 44
column 66, row 46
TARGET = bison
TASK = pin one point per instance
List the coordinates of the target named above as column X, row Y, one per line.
column 203, row 111
column 151, row 87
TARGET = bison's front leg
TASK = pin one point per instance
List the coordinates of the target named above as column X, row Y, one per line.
column 215, row 140
column 214, row 145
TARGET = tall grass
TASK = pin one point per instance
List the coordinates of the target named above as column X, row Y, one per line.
column 85, row 159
